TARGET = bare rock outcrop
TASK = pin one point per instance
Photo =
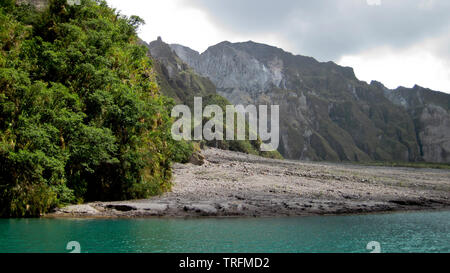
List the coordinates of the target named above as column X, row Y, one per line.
column 39, row 4
column 326, row 112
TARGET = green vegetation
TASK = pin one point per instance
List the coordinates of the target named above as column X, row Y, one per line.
column 244, row 146
column 417, row 165
column 81, row 114
column 183, row 84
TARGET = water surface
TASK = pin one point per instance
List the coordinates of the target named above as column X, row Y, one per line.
column 398, row 232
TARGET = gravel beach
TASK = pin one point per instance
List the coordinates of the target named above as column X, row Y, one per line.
column 233, row 184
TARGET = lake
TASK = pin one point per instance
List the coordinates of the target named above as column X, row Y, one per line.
column 396, row 232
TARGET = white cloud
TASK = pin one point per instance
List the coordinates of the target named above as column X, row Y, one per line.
column 178, row 22
column 394, row 68
column 373, row 2
column 377, row 42
column 173, row 21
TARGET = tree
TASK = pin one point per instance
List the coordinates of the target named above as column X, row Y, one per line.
column 82, row 118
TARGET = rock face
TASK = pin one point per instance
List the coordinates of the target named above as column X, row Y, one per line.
column 179, row 81
column 231, row 68
column 176, row 78
column 430, row 112
column 39, row 4
column 197, row 158
column 326, row 112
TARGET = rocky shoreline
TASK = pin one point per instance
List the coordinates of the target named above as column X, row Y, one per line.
column 232, row 184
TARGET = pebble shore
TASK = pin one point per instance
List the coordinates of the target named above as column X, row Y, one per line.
column 232, row 184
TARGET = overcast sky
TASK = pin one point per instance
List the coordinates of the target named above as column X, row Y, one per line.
column 397, row 42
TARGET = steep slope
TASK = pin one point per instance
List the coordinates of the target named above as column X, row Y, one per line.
column 430, row 112
column 176, row 78
column 326, row 112
column 179, row 81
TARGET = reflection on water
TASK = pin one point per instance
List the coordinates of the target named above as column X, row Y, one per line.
column 398, row 232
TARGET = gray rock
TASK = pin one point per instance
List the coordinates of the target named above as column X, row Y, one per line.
column 39, row 4
column 204, row 209
column 79, row 209
column 197, row 158
column 326, row 113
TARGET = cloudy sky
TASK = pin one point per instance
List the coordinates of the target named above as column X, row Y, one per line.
column 397, row 42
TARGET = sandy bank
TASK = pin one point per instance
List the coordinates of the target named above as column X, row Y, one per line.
column 235, row 184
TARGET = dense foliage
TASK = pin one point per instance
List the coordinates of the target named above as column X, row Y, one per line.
column 245, row 146
column 81, row 117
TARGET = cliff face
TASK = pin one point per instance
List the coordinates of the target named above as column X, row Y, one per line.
column 179, row 81
column 326, row 112
column 176, row 78
column 231, row 68
column 434, row 124
column 430, row 112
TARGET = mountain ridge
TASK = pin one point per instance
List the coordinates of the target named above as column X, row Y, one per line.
column 254, row 73
column 410, row 128
column 178, row 81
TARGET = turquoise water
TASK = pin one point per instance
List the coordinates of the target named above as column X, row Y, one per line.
column 398, row 232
